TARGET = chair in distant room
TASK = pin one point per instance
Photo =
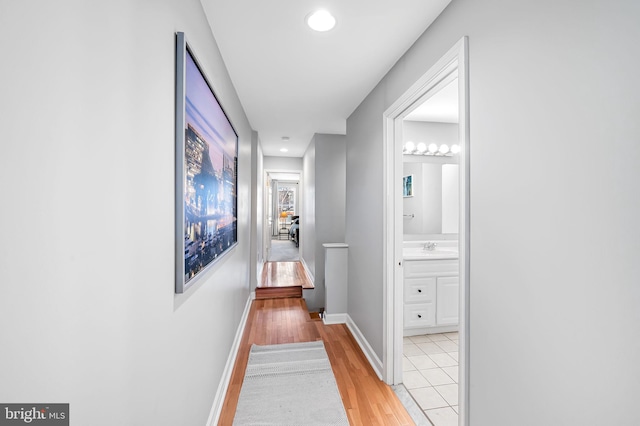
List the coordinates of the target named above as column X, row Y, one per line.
column 284, row 230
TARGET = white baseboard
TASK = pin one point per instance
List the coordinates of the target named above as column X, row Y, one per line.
column 334, row 318
column 216, row 409
column 373, row 359
column 307, row 270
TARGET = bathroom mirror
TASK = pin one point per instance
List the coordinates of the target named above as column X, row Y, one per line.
column 429, row 134
column 433, row 209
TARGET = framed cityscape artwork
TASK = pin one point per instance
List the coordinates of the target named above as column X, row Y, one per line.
column 206, row 173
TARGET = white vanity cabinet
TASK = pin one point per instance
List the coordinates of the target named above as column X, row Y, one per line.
column 430, row 296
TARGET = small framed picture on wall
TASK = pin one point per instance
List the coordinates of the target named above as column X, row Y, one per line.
column 407, row 186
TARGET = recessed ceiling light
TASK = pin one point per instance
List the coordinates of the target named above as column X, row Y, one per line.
column 284, row 150
column 321, row 20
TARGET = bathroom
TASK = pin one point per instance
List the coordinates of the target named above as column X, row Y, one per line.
column 430, row 251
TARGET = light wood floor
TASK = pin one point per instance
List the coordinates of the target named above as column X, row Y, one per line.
column 285, row 274
column 366, row 399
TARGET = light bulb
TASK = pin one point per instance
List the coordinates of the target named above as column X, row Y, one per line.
column 409, row 147
column 455, row 149
column 444, row 149
column 433, row 148
column 321, row 20
column 421, row 147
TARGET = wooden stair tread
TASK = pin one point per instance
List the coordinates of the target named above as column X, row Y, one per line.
column 278, row 292
column 285, row 274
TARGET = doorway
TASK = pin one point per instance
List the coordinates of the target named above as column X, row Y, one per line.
column 282, row 210
column 452, row 67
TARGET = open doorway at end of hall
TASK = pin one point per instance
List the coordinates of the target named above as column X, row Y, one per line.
column 282, row 207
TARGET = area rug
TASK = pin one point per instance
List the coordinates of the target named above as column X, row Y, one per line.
column 283, row 251
column 289, row 384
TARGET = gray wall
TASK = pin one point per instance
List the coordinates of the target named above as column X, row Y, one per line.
column 257, row 225
column 330, row 193
column 324, row 211
column 554, row 206
column 308, row 252
column 88, row 313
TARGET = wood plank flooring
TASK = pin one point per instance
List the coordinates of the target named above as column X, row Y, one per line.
column 367, row 400
column 283, row 279
column 285, row 274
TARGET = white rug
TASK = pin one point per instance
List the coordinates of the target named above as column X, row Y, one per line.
column 289, row 384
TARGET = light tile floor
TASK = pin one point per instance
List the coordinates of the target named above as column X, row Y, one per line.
column 430, row 374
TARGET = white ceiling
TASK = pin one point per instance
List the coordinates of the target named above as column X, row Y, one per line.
column 442, row 107
column 293, row 81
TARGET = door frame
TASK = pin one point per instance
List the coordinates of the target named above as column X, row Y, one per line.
column 266, row 229
column 455, row 59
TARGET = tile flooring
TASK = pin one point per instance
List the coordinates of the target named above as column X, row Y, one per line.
column 430, row 374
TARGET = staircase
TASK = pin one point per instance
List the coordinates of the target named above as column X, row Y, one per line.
column 283, row 279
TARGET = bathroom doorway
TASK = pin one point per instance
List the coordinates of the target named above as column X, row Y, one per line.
column 444, row 223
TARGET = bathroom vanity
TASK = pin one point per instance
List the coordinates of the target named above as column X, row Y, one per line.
column 431, row 288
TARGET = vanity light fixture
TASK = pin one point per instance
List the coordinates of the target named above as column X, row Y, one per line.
column 421, row 148
column 321, row 20
column 409, row 147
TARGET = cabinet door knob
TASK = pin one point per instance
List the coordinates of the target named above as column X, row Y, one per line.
column 419, row 290
column 419, row 316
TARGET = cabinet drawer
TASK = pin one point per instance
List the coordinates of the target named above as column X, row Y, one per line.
column 417, row 268
column 418, row 290
column 420, row 315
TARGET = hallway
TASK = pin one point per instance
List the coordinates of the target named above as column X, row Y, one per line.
column 283, row 251
column 283, row 279
column 366, row 399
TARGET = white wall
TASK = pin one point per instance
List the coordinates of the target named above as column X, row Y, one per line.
column 554, row 184
column 429, row 132
column 88, row 313
column 426, row 203
column 450, row 198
